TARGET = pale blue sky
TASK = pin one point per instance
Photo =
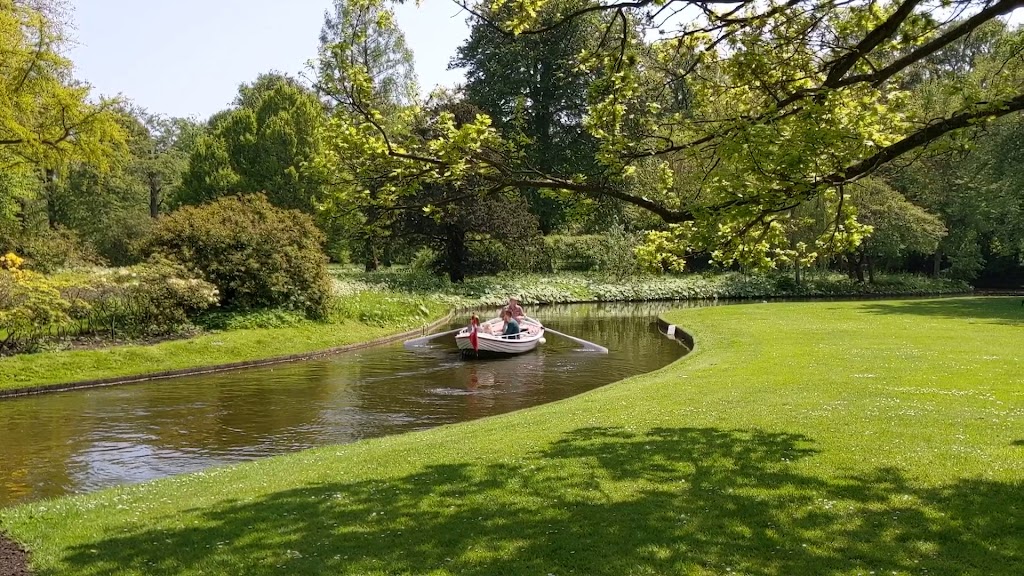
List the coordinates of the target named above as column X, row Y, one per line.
column 187, row 57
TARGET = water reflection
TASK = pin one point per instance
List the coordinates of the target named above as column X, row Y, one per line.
column 84, row 440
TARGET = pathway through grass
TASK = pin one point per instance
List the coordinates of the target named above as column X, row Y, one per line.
column 824, row 438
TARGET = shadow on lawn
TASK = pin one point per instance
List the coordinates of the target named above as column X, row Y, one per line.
column 600, row 501
column 1001, row 310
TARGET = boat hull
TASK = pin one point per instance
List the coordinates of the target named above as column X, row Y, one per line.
column 492, row 345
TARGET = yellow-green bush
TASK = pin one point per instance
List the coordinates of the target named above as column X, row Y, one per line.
column 258, row 256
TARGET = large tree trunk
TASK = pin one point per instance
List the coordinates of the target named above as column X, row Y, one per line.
column 937, row 264
column 50, row 189
column 796, row 274
column 371, row 262
column 155, row 200
column 544, row 207
column 871, row 268
column 371, row 258
column 455, row 253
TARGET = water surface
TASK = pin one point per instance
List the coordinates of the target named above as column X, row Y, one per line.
column 78, row 441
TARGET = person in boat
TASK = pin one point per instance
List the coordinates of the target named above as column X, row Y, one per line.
column 514, row 307
column 511, row 327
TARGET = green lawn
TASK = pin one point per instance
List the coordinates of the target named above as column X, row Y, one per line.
column 814, row 438
column 26, row 370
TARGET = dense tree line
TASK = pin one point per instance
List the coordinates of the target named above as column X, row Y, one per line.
column 782, row 135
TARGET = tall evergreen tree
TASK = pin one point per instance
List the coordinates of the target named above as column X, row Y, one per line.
column 264, row 144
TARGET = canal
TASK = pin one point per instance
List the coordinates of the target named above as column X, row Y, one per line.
column 79, row 441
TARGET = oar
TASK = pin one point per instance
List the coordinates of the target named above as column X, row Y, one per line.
column 588, row 345
column 419, row 341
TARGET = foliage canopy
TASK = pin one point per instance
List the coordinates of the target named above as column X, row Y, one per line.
column 784, row 103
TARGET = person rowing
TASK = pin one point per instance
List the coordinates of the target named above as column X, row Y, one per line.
column 514, row 307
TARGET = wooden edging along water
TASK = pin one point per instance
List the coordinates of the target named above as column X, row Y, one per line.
column 139, row 378
column 677, row 333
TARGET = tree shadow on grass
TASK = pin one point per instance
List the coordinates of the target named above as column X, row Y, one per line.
column 600, row 501
column 998, row 310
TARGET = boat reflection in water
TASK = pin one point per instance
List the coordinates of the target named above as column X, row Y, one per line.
column 79, row 441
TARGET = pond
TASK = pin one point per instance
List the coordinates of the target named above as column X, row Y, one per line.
column 83, row 440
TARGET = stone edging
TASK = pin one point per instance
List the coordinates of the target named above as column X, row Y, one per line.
column 118, row 380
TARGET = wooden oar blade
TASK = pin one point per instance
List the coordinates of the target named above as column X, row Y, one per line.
column 418, row 342
column 586, row 345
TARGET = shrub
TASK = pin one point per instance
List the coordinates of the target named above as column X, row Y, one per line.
column 118, row 242
column 30, row 307
column 153, row 299
column 374, row 308
column 612, row 253
column 257, row 255
column 574, row 253
column 52, row 249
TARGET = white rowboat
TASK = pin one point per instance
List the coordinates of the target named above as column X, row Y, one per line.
column 531, row 334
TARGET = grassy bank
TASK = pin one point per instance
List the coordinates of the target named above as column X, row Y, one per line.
column 814, row 438
column 358, row 317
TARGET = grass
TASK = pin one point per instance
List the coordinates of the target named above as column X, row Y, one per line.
column 357, row 318
column 810, row 438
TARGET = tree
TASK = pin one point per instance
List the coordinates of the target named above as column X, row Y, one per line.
column 898, row 227
column 162, row 158
column 453, row 220
column 264, row 144
column 46, row 118
column 363, row 34
column 969, row 178
column 534, row 91
column 360, row 45
column 786, row 103
column 112, row 208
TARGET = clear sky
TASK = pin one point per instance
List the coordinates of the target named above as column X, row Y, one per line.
column 187, row 57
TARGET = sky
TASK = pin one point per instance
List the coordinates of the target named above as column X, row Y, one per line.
column 188, row 57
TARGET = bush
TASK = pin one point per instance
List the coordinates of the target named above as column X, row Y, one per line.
column 118, row 242
column 257, row 255
column 158, row 298
column 154, row 299
column 30, row 307
column 377, row 309
column 52, row 249
column 574, row 253
column 612, row 253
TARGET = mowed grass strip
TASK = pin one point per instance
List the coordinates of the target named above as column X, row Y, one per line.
column 810, row 438
column 27, row 370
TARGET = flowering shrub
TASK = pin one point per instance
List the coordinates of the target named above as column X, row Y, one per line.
column 154, row 299
column 11, row 261
column 31, row 307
